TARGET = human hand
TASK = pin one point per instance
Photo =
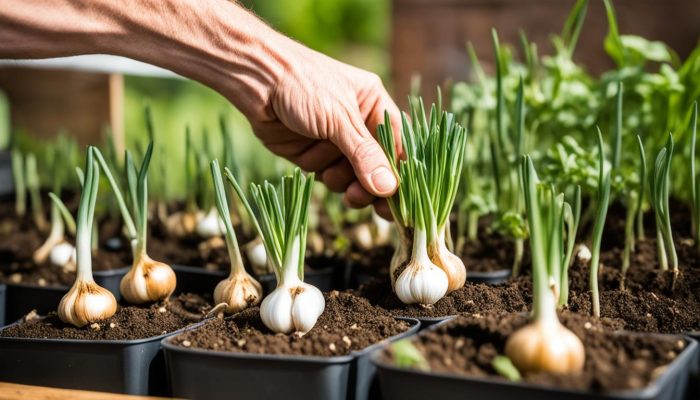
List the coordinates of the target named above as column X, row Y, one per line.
column 322, row 115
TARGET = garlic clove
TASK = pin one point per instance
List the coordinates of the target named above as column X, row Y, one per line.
column 86, row 302
column 361, row 236
column 148, row 281
column 381, row 230
column 452, row 265
column 238, row 292
column 546, row 347
column 421, row 282
column 181, row 224
column 275, row 310
column 307, row 306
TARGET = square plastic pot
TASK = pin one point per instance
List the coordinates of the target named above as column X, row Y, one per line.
column 490, row 277
column 204, row 374
column 119, row 366
column 199, row 280
column 407, row 384
column 22, row 298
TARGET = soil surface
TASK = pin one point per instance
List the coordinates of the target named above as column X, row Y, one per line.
column 512, row 296
column 129, row 322
column 348, row 323
column 614, row 361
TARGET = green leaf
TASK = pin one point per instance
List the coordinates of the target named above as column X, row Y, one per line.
column 504, row 367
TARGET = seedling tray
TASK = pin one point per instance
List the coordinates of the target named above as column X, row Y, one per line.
column 119, row 366
column 490, row 277
column 204, row 374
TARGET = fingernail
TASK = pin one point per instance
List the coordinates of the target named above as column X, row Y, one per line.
column 384, row 180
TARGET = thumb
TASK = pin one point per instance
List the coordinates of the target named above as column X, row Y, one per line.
column 367, row 158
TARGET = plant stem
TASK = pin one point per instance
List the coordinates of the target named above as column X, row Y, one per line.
column 19, row 179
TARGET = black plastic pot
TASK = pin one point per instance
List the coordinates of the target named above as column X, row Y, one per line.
column 22, row 298
column 694, row 387
column 3, row 291
column 407, row 384
column 202, row 374
column 119, row 366
column 196, row 279
column 490, row 277
column 427, row 322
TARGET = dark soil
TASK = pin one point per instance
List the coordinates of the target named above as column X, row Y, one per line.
column 348, row 323
column 490, row 252
column 614, row 361
column 652, row 300
column 513, row 296
column 129, row 322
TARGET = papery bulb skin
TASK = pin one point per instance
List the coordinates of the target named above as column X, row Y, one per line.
column 583, row 253
column 239, row 291
column 62, row 254
column 292, row 308
column 147, row 281
column 400, row 256
column 421, row 282
column 546, row 346
column 210, row 225
column 86, row 302
column 255, row 251
column 452, row 265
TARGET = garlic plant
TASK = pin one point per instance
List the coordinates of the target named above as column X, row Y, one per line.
column 86, row 301
column 599, row 224
column 148, row 280
column 56, row 249
column 545, row 345
column 659, row 193
column 240, row 290
column 281, row 219
column 423, row 270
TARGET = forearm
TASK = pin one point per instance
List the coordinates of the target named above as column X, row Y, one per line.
column 215, row 42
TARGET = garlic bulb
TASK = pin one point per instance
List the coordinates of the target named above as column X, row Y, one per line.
column 182, row 224
column 361, row 235
column 292, row 307
column 210, row 225
column 257, row 255
column 583, row 253
column 421, row 282
column 239, row 291
column 452, row 265
column 62, row 254
column 147, row 281
column 543, row 346
column 86, row 302
column 381, row 230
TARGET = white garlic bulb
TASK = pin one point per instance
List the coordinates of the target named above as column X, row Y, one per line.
column 62, row 254
column 583, row 253
column 452, row 265
column 292, row 307
column 257, row 255
column 421, row 282
column 210, row 225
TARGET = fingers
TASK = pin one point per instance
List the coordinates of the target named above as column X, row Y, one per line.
column 357, row 197
column 382, row 208
column 338, row 176
column 367, row 159
column 375, row 115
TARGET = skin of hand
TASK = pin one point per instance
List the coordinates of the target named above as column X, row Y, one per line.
column 309, row 108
